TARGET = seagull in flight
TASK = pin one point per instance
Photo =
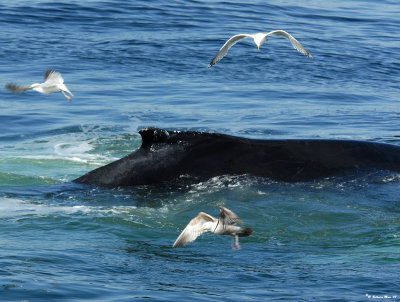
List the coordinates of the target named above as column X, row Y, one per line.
column 224, row 225
column 53, row 82
column 259, row 39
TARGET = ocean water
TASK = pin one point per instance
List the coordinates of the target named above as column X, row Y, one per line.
column 133, row 64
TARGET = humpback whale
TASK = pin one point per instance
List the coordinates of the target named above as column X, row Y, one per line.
column 169, row 155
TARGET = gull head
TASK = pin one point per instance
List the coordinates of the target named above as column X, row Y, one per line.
column 64, row 88
column 259, row 39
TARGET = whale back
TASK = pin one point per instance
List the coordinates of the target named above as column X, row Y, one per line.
column 168, row 155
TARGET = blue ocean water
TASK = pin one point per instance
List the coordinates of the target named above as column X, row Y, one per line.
column 133, row 64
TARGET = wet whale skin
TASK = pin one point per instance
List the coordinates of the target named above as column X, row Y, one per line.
column 168, row 155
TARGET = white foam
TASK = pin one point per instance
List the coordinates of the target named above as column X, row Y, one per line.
column 72, row 149
column 14, row 207
column 10, row 207
column 84, row 158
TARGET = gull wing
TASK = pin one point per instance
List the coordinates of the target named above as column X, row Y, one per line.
column 296, row 44
column 193, row 229
column 17, row 88
column 224, row 49
column 53, row 77
column 227, row 217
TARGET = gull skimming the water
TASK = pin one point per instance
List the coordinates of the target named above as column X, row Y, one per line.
column 224, row 225
column 259, row 39
column 53, row 82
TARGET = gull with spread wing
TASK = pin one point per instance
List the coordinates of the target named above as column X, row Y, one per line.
column 224, row 225
column 259, row 39
column 53, row 82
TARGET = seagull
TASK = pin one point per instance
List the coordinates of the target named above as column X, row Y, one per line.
column 259, row 39
column 224, row 225
column 53, row 82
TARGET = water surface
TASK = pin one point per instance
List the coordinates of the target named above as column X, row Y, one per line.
column 136, row 64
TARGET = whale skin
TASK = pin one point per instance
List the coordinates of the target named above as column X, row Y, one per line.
column 169, row 155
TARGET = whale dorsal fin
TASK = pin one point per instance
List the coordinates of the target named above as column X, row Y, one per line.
column 153, row 135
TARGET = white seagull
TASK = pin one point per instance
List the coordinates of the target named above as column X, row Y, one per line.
column 53, row 82
column 224, row 225
column 259, row 39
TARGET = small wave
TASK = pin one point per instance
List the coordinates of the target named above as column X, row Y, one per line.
column 15, row 207
column 82, row 158
column 18, row 180
column 20, row 207
column 12, row 208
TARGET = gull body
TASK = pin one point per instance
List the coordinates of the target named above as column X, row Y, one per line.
column 53, row 82
column 224, row 225
column 259, row 39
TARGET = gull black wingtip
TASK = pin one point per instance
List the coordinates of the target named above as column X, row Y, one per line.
column 11, row 87
column 212, row 62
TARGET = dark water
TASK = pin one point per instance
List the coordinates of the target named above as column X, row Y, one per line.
column 137, row 64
